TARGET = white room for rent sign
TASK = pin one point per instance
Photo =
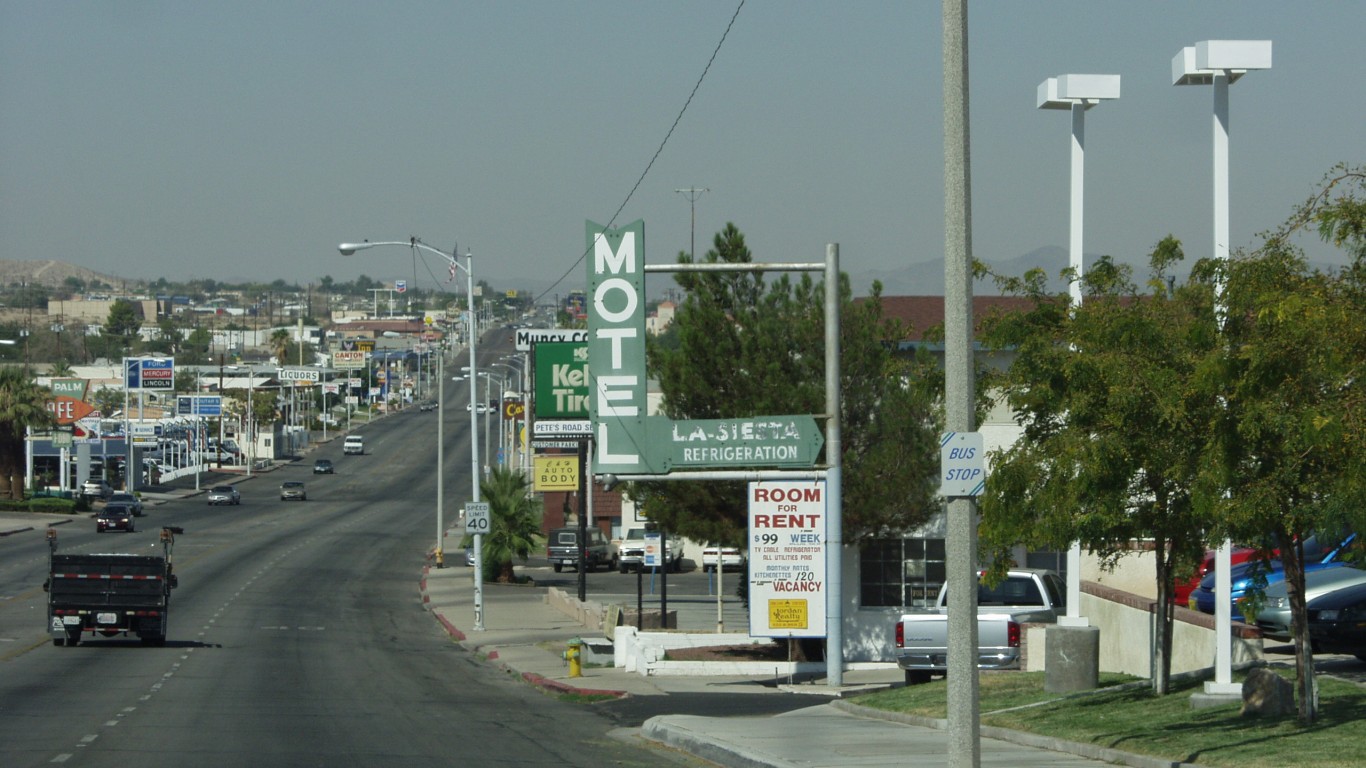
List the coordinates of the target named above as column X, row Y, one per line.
column 787, row 579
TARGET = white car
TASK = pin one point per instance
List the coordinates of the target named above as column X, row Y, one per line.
column 732, row 558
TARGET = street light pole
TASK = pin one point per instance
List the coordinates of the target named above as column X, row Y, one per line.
column 348, row 249
column 1220, row 63
column 1076, row 93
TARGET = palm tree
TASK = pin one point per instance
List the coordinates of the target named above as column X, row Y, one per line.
column 23, row 404
column 279, row 344
column 61, row 370
column 514, row 523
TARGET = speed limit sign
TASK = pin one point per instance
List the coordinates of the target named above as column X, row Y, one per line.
column 477, row 517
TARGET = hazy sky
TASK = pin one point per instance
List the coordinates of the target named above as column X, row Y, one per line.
column 243, row 140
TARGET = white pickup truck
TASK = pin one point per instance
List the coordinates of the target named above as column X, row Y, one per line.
column 1027, row 595
column 353, row 445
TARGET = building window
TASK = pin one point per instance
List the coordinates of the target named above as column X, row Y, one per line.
column 901, row 572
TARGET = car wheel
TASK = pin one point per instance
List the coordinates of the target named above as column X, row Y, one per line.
column 621, row 567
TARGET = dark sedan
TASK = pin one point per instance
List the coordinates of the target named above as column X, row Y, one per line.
column 114, row 517
column 323, row 467
column 1337, row 622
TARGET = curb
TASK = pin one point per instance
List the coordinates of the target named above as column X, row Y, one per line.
column 540, row 681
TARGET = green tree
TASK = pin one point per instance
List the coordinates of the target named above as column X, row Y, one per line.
column 194, row 350
column 279, row 345
column 742, row 348
column 23, row 404
column 513, row 526
column 119, row 335
column 1114, row 423
column 108, row 400
column 1290, row 442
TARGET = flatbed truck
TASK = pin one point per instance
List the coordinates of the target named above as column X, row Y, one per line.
column 109, row 594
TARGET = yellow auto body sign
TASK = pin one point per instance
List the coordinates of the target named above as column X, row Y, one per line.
column 556, row 473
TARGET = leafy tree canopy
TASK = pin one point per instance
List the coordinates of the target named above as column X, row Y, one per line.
column 740, row 347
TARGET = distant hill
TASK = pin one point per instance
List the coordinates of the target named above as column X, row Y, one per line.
column 53, row 273
column 926, row 278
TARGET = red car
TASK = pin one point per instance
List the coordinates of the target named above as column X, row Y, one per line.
column 114, row 517
column 1182, row 592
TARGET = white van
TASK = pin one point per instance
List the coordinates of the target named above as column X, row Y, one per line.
column 354, row 445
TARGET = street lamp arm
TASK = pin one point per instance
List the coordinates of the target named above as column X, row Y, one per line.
column 349, row 249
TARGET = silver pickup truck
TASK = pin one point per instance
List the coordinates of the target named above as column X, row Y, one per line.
column 1027, row 595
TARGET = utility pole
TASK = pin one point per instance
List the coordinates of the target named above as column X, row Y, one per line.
column 692, row 193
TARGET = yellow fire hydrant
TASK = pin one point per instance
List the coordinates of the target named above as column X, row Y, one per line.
column 573, row 654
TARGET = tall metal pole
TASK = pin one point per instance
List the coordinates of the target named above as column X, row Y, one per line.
column 440, row 458
column 692, row 193
column 473, row 327
column 965, row 749
column 834, row 512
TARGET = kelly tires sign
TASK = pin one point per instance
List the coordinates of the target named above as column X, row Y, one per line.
column 787, row 559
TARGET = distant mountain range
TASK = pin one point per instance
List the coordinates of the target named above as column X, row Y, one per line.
column 924, row 278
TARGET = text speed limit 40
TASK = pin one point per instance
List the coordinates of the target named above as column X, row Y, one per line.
column 477, row 517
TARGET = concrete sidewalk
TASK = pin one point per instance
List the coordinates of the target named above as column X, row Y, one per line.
column 526, row 636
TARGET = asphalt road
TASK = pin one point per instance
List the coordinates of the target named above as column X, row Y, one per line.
column 297, row 637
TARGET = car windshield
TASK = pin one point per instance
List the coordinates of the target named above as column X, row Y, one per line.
column 295, row 484
column 222, row 489
column 115, row 511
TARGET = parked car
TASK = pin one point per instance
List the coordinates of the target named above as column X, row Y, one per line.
column 1320, row 552
column 128, row 500
column 1027, row 595
column 114, row 517
column 1181, row 593
column 323, row 467
column 1273, row 618
column 224, row 494
column 732, row 558
column 293, row 489
column 1337, row 622
column 562, row 548
column 632, row 551
column 96, row 488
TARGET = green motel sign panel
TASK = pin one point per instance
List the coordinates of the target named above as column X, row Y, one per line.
column 561, row 380
column 756, row 441
column 625, row 439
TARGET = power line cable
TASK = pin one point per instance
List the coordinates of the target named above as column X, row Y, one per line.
column 697, row 86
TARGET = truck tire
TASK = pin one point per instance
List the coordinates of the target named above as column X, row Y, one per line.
column 59, row 641
column 558, row 567
column 73, row 639
column 621, row 567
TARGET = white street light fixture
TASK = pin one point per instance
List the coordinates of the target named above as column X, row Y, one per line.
column 348, row 249
column 1076, row 93
column 1221, row 63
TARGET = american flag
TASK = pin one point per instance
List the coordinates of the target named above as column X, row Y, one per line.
column 452, row 272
